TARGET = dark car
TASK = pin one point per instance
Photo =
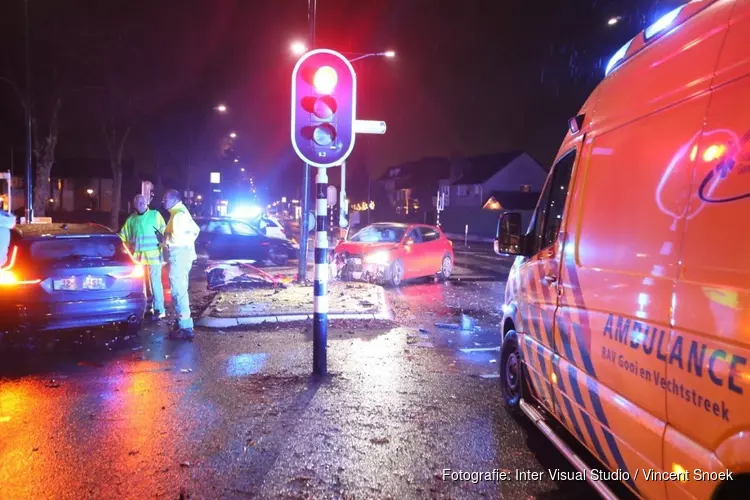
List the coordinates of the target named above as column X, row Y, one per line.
column 227, row 239
column 66, row 276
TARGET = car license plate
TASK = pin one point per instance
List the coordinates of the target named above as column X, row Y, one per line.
column 93, row 283
column 66, row 284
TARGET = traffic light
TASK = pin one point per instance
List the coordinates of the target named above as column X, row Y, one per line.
column 324, row 106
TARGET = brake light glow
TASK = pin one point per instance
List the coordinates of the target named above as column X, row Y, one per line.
column 138, row 270
column 10, row 278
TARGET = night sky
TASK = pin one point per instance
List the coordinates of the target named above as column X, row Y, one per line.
column 471, row 77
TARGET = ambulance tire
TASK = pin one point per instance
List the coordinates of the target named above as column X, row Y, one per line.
column 736, row 488
column 511, row 371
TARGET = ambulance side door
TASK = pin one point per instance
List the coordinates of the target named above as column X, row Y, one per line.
column 539, row 277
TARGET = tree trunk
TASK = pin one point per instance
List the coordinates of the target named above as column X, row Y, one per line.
column 41, row 191
column 114, row 220
column 44, row 154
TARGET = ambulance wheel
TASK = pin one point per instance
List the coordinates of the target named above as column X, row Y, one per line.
column 736, row 488
column 511, row 371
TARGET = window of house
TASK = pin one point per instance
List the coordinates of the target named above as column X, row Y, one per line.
column 462, row 190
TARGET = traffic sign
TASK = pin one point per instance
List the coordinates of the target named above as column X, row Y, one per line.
column 332, row 196
column 310, row 221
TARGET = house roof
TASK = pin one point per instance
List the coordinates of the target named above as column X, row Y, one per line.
column 482, row 168
column 515, row 200
column 426, row 168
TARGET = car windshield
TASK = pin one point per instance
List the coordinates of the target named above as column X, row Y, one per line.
column 380, row 234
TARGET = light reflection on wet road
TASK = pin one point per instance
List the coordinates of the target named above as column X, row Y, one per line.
column 236, row 415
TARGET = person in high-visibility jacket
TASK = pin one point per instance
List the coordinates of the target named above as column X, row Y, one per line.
column 140, row 235
column 179, row 238
column 7, row 222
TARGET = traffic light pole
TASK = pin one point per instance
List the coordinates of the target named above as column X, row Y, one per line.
column 320, row 287
column 304, row 230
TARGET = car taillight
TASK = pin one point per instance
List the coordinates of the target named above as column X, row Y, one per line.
column 8, row 277
column 138, row 270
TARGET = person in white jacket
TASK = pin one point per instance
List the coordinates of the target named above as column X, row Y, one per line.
column 179, row 239
column 7, row 222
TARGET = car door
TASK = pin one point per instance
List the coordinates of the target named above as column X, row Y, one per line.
column 413, row 257
column 218, row 243
column 433, row 249
column 248, row 243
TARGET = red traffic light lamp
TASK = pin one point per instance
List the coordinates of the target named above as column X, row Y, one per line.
column 325, row 80
column 324, row 106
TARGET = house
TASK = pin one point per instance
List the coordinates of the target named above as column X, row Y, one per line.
column 515, row 177
column 410, row 188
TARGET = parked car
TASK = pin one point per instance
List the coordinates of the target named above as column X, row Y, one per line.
column 226, row 238
column 270, row 226
column 391, row 253
column 66, row 276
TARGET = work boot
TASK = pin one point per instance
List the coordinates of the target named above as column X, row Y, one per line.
column 158, row 315
column 182, row 334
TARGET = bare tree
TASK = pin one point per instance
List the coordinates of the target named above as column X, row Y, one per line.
column 117, row 123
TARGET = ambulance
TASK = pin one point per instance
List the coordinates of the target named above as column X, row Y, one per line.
column 626, row 322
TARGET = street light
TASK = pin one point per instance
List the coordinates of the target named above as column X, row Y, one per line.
column 236, row 160
column 89, row 191
column 613, row 20
column 298, row 48
column 389, row 54
column 221, row 108
column 233, row 135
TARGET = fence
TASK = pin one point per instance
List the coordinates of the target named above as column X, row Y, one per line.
column 482, row 223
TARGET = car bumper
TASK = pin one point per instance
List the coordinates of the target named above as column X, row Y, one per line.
column 377, row 273
column 47, row 316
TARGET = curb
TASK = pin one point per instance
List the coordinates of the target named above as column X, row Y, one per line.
column 207, row 321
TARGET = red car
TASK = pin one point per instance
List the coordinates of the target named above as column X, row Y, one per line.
column 391, row 253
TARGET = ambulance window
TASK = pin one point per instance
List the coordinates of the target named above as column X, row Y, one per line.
column 550, row 216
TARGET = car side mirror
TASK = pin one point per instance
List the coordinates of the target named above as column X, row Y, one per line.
column 509, row 239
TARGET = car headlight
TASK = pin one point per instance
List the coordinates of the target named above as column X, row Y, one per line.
column 380, row 258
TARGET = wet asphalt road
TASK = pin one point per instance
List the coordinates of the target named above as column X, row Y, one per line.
column 235, row 414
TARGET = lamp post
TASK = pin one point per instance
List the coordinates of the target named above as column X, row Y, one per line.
column 220, row 108
column 29, row 188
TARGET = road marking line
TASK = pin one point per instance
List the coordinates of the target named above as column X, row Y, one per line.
column 490, row 375
column 480, row 349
